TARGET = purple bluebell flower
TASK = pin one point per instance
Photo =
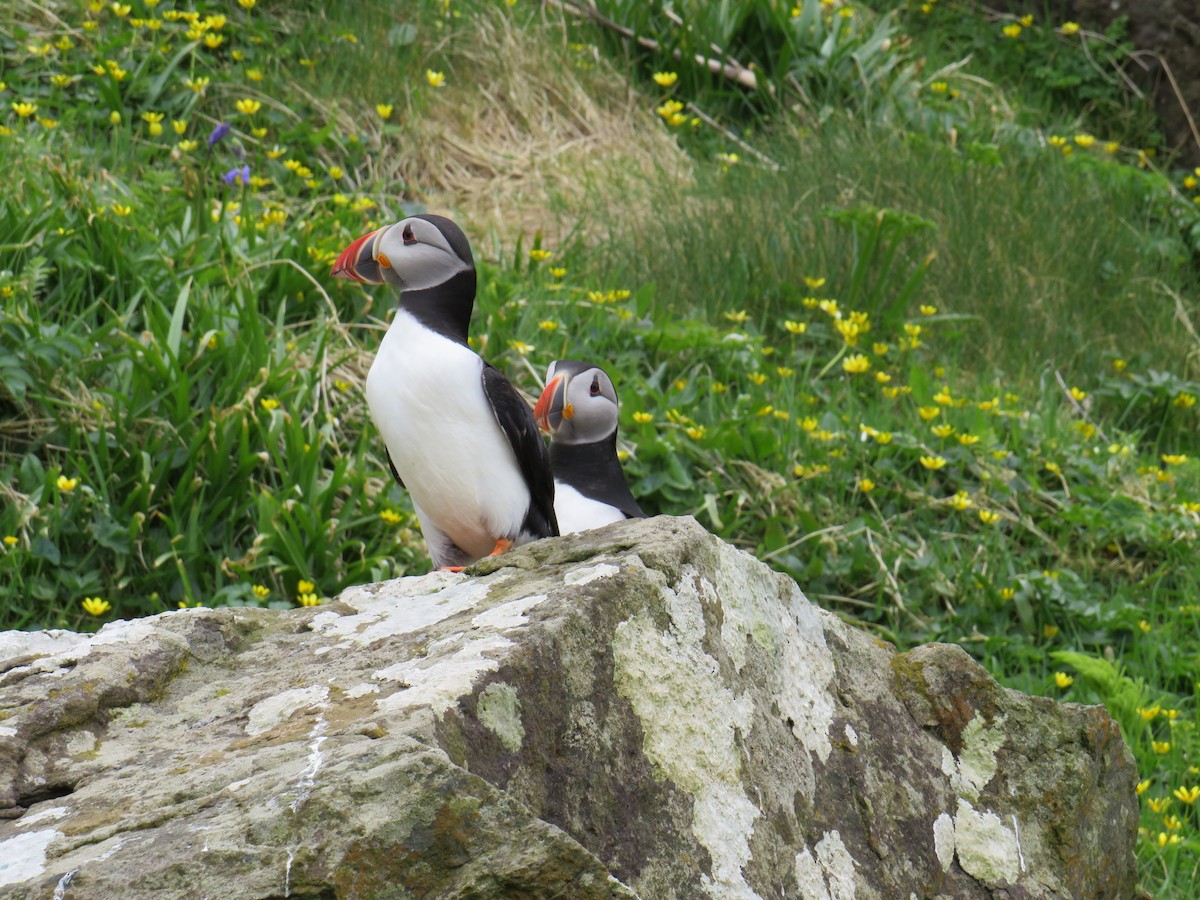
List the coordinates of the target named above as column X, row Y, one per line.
column 237, row 175
column 217, row 133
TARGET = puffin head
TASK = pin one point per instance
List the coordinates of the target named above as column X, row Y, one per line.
column 579, row 403
column 414, row 254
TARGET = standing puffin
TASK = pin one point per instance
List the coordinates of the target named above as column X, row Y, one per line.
column 459, row 437
column 579, row 408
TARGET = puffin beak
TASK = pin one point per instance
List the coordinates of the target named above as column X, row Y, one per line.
column 358, row 263
column 551, row 408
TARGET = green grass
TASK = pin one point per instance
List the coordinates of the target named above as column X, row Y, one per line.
column 181, row 419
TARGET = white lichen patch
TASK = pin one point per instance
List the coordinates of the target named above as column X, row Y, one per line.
column 977, row 760
column 273, row 711
column 987, row 849
column 24, row 857
column 827, row 874
column 499, row 711
column 387, row 613
column 723, row 821
column 691, row 720
column 943, row 840
column 851, row 735
column 790, row 632
column 440, row 678
column 361, row 690
column 53, row 814
column 81, row 742
column 508, row 615
column 590, row 574
column 38, row 643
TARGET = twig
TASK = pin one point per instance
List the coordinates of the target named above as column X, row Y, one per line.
column 734, row 72
column 712, row 123
column 1078, row 407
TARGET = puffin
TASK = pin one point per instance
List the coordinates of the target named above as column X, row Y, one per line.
column 459, row 437
column 579, row 407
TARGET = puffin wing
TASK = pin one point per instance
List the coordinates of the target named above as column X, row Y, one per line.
column 392, row 466
column 516, row 421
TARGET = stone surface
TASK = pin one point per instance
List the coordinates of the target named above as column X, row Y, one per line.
column 636, row 711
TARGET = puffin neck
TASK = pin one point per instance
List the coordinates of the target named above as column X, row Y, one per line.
column 444, row 308
column 591, row 466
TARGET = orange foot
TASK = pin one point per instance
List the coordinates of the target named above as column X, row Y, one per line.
column 449, row 568
column 503, row 545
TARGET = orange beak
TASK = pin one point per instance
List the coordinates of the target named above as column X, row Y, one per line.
column 551, row 409
column 358, row 262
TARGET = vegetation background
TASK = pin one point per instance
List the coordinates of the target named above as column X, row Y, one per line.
column 901, row 298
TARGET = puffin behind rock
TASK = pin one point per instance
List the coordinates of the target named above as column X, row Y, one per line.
column 579, row 408
column 459, row 437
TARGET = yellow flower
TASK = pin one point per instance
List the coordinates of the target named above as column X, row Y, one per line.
column 95, row 606
column 814, row 283
column 987, row 517
column 65, row 484
column 928, row 412
column 1069, row 27
column 308, row 599
column 1064, row 681
column 961, row 501
column 196, row 85
column 1145, row 626
column 696, row 432
column 305, row 587
column 968, row 440
column 1053, row 468
column 927, row 310
column 187, row 146
column 943, row 431
column 1159, row 804
column 1007, row 593
column 1142, row 787
column 1084, row 140
column 1049, row 631
column 795, row 327
column 538, row 255
column 939, row 87
column 1161, row 747
column 943, row 398
column 261, row 591
column 1077, row 395
column 1187, row 795
column 1184, row 400
column 120, row 209
column 1027, row 20
column 643, row 418
column 521, row 347
column 11, row 540
column 1012, row 30
column 435, row 79
column 384, row 110
column 665, row 79
column 1149, row 714
column 933, row 462
column 247, row 4
column 737, row 316
column 248, row 106
column 866, row 485
column 558, row 272
column 391, row 517
column 121, row 10
column 24, row 109
column 757, row 377
column 1174, row 459
column 856, row 364
column 269, row 403
column 213, row 41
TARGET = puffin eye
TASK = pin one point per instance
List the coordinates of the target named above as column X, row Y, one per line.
column 594, row 390
column 407, row 235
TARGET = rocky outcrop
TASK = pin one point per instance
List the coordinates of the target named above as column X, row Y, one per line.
column 636, row 711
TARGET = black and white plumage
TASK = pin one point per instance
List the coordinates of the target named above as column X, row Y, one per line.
column 459, row 437
column 579, row 408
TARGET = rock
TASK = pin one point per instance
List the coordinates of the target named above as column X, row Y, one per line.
column 636, row 711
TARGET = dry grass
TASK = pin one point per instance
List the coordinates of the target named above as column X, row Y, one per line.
column 531, row 136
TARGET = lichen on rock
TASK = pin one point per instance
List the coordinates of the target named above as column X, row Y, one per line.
column 638, row 710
